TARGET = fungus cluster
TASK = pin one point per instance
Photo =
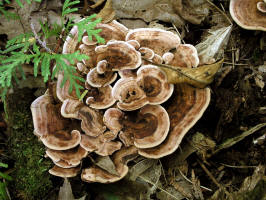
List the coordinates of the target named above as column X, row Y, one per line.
column 130, row 109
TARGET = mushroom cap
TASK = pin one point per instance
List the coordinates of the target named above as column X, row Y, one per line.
column 70, row 108
column 71, row 41
column 86, row 40
column 46, row 116
column 63, row 92
column 246, row 14
column 103, row 100
column 61, row 140
column 129, row 94
column 91, row 121
column 156, row 129
column 112, row 119
column 261, row 6
column 120, row 159
column 64, row 172
column 119, row 55
column 154, row 83
column 149, row 37
column 68, row 158
column 101, row 145
column 134, row 43
column 112, row 31
column 127, row 73
column 146, row 52
column 185, row 109
column 82, row 68
column 90, row 52
column 100, row 80
column 186, row 55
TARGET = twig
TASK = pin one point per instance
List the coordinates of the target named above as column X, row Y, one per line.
column 148, row 181
column 187, row 179
column 219, row 10
column 232, row 141
column 240, row 64
column 178, row 33
column 42, row 43
column 213, row 179
column 239, row 167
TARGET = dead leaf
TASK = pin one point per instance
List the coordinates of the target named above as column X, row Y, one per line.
column 98, row 3
column 140, row 167
column 107, row 164
column 213, row 44
column 198, row 77
column 107, row 14
column 65, row 192
column 259, row 81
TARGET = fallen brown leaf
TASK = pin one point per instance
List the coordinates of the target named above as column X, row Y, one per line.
column 107, row 14
column 198, row 77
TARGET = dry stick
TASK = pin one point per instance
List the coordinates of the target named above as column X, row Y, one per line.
column 230, row 142
column 176, row 69
column 187, row 179
column 219, row 10
column 178, row 33
column 238, row 167
column 213, row 179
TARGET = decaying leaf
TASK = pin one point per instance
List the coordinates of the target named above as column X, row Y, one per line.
column 212, row 46
column 98, row 3
column 198, row 77
column 107, row 14
column 140, row 167
column 107, row 164
column 65, row 192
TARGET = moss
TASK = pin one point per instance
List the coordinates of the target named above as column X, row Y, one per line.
column 30, row 176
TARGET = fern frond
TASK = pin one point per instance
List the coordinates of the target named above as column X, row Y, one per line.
column 66, row 7
column 69, row 70
column 19, row 39
column 87, row 25
column 28, row 1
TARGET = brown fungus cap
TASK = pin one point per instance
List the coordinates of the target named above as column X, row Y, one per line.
column 112, row 31
column 46, row 115
column 129, row 94
column 186, row 55
column 261, row 6
column 68, row 158
column 91, row 121
column 70, row 108
column 151, row 126
column 95, row 79
column 101, row 145
column 112, row 118
column 154, row 83
column 185, row 109
column 120, row 159
column 61, row 140
column 119, row 55
column 246, row 14
column 64, row 172
column 160, row 41
column 90, row 52
column 103, row 99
